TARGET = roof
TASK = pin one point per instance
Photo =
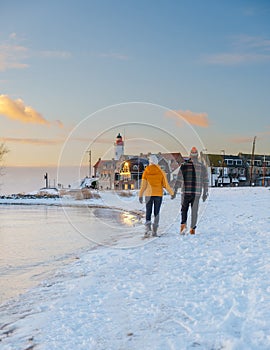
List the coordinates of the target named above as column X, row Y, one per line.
column 231, row 156
column 215, row 159
column 256, row 156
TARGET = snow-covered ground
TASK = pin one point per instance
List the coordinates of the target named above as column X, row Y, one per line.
column 207, row 291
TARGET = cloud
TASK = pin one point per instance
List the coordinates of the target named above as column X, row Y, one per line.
column 242, row 139
column 245, row 49
column 234, row 59
column 17, row 110
column 92, row 140
column 13, row 55
column 248, row 41
column 117, row 56
column 31, row 141
column 54, row 54
column 261, row 135
column 193, row 118
column 12, row 35
column 58, row 123
column 267, row 132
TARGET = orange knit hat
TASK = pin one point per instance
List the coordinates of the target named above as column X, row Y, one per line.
column 194, row 152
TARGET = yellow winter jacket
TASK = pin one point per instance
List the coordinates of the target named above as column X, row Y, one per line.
column 153, row 181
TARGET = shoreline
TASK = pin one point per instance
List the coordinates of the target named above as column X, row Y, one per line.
column 68, row 257
column 72, row 203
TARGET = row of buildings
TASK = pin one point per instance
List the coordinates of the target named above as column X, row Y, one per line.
column 242, row 169
column 125, row 171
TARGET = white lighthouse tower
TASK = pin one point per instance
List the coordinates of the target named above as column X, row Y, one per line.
column 118, row 147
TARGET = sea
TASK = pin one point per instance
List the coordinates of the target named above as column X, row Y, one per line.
column 18, row 179
column 35, row 240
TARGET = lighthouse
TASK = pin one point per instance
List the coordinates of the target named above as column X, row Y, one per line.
column 118, row 147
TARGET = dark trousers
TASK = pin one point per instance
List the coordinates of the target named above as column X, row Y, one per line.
column 193, row 201
column 153, row 201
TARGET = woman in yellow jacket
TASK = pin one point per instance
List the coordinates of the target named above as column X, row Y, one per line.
column 153, row 182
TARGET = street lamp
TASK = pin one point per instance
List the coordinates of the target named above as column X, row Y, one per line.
column 90, row 165
column 223, row 161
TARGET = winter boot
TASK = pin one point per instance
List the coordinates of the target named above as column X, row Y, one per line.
column 183, row 229
column 147, row 229
column 192, row 231
column 154, row 233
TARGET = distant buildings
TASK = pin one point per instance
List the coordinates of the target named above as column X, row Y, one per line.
column 239, row 169
column 125, row 171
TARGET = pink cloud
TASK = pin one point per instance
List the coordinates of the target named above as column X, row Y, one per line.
column 249, row 139
column 242, row 139
column 31, row 141
column 58, row 123
column 193, row 118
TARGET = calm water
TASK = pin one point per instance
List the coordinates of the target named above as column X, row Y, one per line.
column 35, row 240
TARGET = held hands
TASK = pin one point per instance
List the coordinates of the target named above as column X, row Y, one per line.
column 141, row 200
column 173, row 195
column 204, row 197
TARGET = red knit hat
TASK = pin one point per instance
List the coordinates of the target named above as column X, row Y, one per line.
column 194, row 152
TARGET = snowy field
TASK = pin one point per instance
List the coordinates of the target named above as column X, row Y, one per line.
column 207, row 291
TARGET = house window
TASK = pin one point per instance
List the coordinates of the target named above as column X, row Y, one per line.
column 238, row 162
column 257, row 162
column 229, row 161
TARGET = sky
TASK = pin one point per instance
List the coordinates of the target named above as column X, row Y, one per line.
column 74, row 74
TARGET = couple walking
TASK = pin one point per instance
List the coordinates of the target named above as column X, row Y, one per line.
column 192, row 178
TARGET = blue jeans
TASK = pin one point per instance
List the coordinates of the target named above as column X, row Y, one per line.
column 153, row 201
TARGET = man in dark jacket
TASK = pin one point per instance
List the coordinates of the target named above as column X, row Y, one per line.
column 193, row 179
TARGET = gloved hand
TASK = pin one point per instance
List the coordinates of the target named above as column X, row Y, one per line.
column 204, row 197
column 141, row 200
column 173, row 195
